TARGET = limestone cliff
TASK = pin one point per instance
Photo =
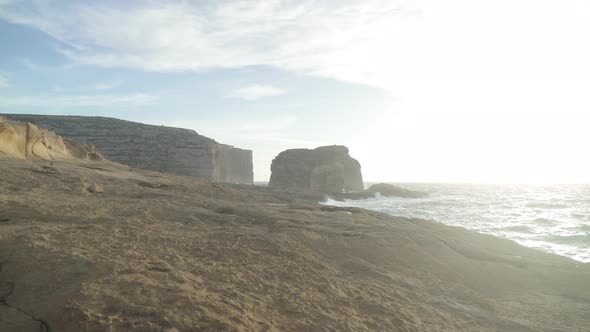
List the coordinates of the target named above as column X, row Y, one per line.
column 327, row 169
column 157, row 148
column 23, row 140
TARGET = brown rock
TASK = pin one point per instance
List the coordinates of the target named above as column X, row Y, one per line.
column 92, row 186
column 186, row 254
column 24, row 140
column 156, row 148
column 327, row 169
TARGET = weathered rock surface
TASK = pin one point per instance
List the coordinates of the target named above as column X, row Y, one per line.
column 327, row 169
column 146, row 251
column 23, row 140
column 159, row 252
column 157, row 148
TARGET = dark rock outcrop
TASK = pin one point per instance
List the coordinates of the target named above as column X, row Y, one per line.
column 383, row 189
column 389, row 190
column 157, row 148
column 327, row 169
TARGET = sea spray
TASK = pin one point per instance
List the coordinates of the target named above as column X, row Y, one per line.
column 553, row 218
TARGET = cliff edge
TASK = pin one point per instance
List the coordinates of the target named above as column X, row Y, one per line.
column 156, row 148
column 23, row 140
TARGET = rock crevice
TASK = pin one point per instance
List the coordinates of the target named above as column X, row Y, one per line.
column 7, row 288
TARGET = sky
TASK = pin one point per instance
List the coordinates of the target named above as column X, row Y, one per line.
column 420, row 91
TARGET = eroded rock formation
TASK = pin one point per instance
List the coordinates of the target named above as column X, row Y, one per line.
column 23, row 140
column 327, row 169
column 157, row 148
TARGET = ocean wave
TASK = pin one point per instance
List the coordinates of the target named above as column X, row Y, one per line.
column 553, row 220
column 580, row 216
column 518, row 229
column 570, row 239
column 546, row 206
column 545, row 222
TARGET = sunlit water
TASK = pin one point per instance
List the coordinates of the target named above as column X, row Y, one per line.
column 551, row 218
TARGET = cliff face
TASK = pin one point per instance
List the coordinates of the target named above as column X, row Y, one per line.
column 325, row 169
column 232, row 165
column 157, row 148
column 23, row 140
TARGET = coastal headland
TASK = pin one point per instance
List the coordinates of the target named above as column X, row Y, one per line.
column 93, row 245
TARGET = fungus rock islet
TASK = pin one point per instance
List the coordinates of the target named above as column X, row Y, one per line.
column 327, row 169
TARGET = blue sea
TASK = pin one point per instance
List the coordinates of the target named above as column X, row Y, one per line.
column 553, row 218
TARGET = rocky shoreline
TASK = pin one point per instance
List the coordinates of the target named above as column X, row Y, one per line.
column 158, row 252
column 87, row 244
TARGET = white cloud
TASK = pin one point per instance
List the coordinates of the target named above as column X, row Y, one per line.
column 67, row 101
column 487, row 79
column 3, row 81
column 103, row 86
column 35, row 67
column 106, row 86
column 359, row 41
column 31, row 65
column 255, row 92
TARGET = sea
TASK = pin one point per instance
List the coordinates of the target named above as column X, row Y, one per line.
column 553, row 218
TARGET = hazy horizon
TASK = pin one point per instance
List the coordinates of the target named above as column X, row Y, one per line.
column 420, row 91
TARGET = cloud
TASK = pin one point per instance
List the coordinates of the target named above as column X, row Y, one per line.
column 3, row 81
column 255, row 92
column 33, row 66
column 359, row 41
column 103, row 86
column 67, row 101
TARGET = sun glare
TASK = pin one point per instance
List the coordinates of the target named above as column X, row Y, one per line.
column 484, row 147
